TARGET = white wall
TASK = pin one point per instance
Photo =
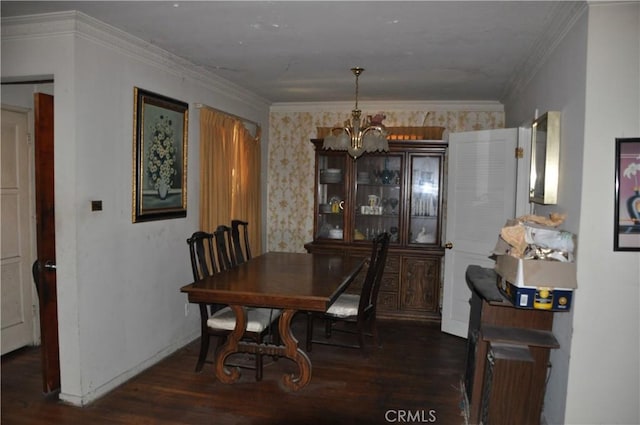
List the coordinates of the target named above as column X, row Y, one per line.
column 119, row 304
column 611, row 394
column 595, row 374
column 559, row 85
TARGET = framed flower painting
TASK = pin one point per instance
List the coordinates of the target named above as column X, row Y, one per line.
column 159, row 157
column 627, row 207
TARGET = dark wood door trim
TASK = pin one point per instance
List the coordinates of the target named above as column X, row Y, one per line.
column 46, row 240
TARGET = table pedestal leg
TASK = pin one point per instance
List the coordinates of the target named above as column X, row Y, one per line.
column 292, row 352
column 289, row 349
column 224, row 374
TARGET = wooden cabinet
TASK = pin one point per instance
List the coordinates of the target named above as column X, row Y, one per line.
column 504, row 388
column 399, row 192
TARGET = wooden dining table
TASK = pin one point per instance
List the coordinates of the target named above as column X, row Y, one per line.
column 291, row 282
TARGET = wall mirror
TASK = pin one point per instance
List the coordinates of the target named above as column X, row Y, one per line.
column 545, row 159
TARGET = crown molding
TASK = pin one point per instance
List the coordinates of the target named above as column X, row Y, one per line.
column 91, row 29
column 397, row 106
column 564, row 15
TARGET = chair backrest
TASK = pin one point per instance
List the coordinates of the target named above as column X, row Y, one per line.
column 224, row 246
column 241, row 249
column 201, row 253
column 371, row 285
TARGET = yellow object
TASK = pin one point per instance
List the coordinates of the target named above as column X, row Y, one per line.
column 543, row 299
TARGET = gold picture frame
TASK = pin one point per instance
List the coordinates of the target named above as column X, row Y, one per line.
column 159, row 157
column 545, row 159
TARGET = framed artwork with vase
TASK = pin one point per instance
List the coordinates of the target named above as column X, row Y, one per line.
column 159, row 157
column 627, row 202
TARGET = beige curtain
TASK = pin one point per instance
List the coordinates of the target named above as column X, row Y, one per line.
column 229, row 175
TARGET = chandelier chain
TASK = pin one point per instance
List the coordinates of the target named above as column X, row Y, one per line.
column 357, row 71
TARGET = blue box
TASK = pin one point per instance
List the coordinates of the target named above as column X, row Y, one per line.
column 532, row 297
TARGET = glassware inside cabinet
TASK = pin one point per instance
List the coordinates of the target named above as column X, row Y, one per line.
column 425, row 199
column 378, row 183
column 331, row 196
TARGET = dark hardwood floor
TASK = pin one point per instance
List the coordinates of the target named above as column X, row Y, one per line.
column 413, row 378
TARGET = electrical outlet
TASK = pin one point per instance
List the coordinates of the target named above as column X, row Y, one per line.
column 186, row 309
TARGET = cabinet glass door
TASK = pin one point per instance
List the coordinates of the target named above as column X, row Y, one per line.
column 378, row 196
column 331, row 196
column 424, row 199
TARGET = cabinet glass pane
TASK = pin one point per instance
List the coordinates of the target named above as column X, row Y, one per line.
column 377, row 202
column 331, row 196
column 424, row 199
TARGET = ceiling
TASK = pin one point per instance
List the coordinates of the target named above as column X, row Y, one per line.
column 302, row 51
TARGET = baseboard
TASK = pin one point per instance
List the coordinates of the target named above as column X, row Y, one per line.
column 96, row 393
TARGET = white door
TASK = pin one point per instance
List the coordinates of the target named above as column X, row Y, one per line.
column 481, row 192
column 17, row 288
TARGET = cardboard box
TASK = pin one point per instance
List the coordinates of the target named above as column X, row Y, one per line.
column 531, row 297
column 535, row 284
column 536, row 273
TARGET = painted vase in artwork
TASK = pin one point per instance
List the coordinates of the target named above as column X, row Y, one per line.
column 633, row 206
column 163, row 189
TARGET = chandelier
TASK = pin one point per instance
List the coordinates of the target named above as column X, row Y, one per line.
column 357, row 136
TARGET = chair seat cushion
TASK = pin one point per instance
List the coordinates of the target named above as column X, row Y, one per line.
column 258, row 319
column 345, row 306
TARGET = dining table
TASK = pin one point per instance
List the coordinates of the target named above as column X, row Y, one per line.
column 288, row 281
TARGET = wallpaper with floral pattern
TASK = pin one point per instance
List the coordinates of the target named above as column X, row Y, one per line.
column 291, row 163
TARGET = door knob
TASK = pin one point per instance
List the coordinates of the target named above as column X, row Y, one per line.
column 448, row 245
column 49, row 265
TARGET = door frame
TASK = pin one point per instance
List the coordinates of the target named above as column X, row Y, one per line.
column 43, row 124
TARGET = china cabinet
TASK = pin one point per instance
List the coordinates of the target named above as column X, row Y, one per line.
column 399, row 192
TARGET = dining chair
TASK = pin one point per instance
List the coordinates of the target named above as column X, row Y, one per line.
column 358, row 309
column 241, row 249
column 219, row 320
column 224, row 246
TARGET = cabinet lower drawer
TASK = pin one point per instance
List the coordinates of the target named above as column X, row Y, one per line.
column 390, row 279
column 390, row 283
column 387, row 302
